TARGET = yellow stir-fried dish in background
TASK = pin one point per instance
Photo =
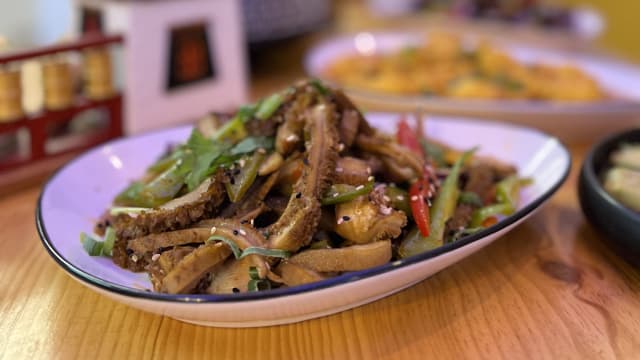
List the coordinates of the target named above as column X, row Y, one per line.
column 442, row 66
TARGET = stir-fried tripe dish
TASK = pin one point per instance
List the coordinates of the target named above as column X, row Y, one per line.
column 442, row 66
column 293, row 190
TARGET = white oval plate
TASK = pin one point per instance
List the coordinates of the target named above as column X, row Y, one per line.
column 78, row 193
column 574, row 122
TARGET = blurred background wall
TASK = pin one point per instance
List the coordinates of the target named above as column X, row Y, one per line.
column 27, row 22
column 622, row 27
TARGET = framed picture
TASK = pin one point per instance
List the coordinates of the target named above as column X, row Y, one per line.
column 91, row 21
column 190, row 57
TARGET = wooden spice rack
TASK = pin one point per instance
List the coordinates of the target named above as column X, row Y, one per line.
column 37, row 124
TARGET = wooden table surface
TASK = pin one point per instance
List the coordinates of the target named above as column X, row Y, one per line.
column 548, row 289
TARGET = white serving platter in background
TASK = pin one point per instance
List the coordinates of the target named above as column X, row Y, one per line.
column 571, row 122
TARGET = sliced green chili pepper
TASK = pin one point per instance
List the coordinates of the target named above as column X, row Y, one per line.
column 507, row 196
column 339, row 193
column 442, row 209
column 131, row 196
column 233, row 130
column 470, row 198
column 508, row 191
column 166, row 185
column 399, row 199
column 239, row 184
column 482, row 214
column 268, row 106
column 158, row 191
column 164, row 163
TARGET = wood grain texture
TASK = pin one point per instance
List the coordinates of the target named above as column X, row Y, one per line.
column 547, row 290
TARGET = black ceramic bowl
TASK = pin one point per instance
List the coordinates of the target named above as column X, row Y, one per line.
column 619, row 224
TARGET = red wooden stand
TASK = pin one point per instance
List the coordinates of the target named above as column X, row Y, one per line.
column 38, row 124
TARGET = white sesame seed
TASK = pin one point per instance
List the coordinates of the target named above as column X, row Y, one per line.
column 414, row 198
column 251, row 222
column 369, row 170
column 385, row 210
column 359, row 187
column 428, row 202
column 242, row 232
column 155, row 257
column 134, row 258
column 340, row 147
column 261, row 151
column 386, row 198
column 292, row 138
column 370, row 178
column 334, row 195
column 340, row 221
column 213, row 229
column 339, row 169
column 242, row 162
column 400, row 197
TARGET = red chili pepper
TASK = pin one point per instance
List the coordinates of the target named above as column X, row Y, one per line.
column 419, row 190
column 419, row 207
column 407, row 137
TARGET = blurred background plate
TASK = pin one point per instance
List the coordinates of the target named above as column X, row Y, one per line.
column 571, row 122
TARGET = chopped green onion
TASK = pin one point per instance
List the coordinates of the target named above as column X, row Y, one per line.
column 258, row 285
column 253, row 273
column 109, row 241
column 92, row 246
column 95, row 247
column 283, row 254
column 269, row 106
column 234, row 247
column 117, row 210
